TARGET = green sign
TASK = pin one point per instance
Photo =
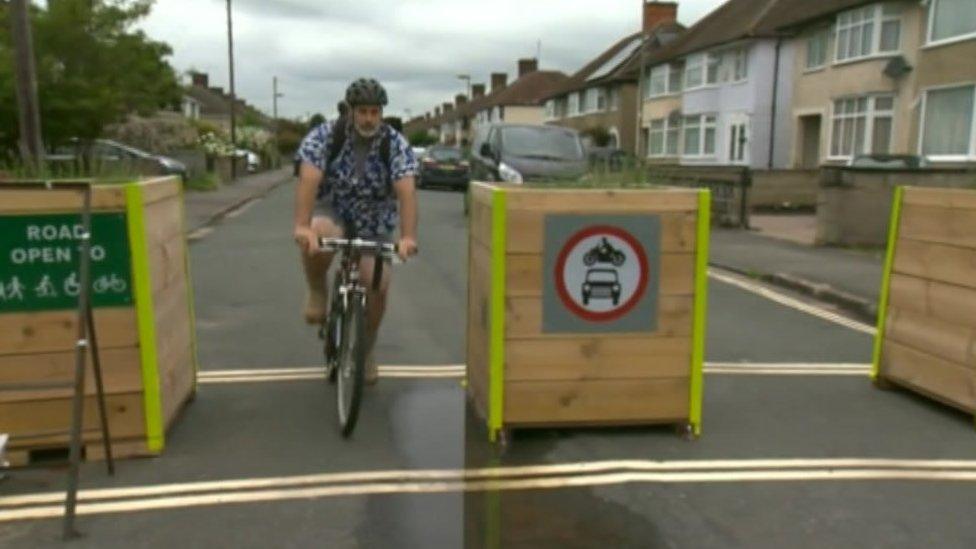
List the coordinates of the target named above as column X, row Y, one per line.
column 39, row 259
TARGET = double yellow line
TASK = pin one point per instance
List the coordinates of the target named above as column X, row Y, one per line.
column 532, row 477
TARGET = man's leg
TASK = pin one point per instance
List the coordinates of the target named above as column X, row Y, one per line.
column 374, row 310
column 316, row 267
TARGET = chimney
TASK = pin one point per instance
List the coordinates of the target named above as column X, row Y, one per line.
column 498, row 81
column 477, row 90
column 525, row 66
column 448, row 107
column 656, row 13
column 460, row 99
column 200, row 79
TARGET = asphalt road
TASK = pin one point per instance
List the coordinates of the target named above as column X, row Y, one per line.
column 398, row 482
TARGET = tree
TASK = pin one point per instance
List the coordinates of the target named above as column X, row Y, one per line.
column 93, row 69
column 421, row 138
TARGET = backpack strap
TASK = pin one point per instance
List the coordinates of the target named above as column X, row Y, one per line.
column 339, row 135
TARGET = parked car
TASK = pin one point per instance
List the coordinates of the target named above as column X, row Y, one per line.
column 109, row 155
column 515, row 153
column 253, row 160
column 888, row 162
column 443, row 165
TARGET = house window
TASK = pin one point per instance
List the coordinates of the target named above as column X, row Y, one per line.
column 674, row 78
column 551, row 109
column 951, row 20
column 694, row 72
column 740, row 65
column 601, row 99
column 862, row 125
column 699, row 135
column 712, row 61
column 817, row 49
column 659, row 81
column 948, row 130
column 868, row 31
column 663, row 139
column 738, row 139
column 614, row 99
column 574, row 106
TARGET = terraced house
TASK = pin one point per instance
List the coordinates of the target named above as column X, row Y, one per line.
column 602, row 95
column 720, row 93
column 894, row 77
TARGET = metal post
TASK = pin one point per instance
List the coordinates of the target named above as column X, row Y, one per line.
column 233, row 95
column 25, row 82
column 274, row 107
column 81, row 351
column 100, row 391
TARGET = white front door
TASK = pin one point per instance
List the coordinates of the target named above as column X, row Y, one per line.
column 739, row 135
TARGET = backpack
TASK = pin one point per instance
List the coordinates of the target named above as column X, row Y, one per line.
column 339, row 136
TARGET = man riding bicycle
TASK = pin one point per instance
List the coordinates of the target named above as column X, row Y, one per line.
column 356, row 179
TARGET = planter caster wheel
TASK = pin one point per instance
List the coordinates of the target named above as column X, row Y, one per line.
column 686, row 431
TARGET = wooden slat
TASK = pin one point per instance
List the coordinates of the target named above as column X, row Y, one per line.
column 527, row 230
column 104, row 197
column 524, row 319
column 946, row 302
column 167, row 263
column 524, row 276
column 120, row 369
column 481, row 221
column 25, row 333
column 933, row 336
column 566, row 402
column 589, row 200
column 938, row 262
column 125, row 414
column 937, row 378
column 164, row 220
column 598, row 358
column 481, row 192
column 477, row 321
column 945, row 198
column 160, row 188
column 954, row 226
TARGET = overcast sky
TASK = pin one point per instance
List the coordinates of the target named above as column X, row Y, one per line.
column 416, row 48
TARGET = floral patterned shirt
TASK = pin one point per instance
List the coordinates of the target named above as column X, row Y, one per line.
column 366, row 204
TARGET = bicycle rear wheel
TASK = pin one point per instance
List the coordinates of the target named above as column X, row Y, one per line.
column 352, row 364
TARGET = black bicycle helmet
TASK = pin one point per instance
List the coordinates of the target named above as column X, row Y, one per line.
column 366, row 91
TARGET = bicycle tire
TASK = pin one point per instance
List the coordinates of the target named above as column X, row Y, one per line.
column 351, row 369
column 332, row 332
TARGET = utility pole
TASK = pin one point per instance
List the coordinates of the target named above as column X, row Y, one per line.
column 274, row 107
column 25, row 78
column 233, row 95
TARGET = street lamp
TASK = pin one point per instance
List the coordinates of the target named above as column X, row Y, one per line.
column 233, row 95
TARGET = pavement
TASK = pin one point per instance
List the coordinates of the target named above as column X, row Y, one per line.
column 849, row 278
column 799, row 449
column 204, row 208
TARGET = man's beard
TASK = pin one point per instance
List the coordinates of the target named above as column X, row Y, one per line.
column 367, row 134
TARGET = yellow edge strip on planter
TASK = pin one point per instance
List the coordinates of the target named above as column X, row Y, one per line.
column 701, row 309
column 142, row 283
column 886, row 280
column 189, row 291
column 496, row 384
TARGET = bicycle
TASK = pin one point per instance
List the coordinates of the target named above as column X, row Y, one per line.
column 344, row 332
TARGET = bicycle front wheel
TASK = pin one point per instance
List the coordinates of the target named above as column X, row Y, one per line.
column 351, row 364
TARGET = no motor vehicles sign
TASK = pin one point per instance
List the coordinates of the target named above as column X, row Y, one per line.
column 601, row 273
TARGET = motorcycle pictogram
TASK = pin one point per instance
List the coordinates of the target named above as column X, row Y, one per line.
column 604, row 252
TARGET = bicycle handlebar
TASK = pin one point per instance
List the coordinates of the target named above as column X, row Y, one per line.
column 336, row 244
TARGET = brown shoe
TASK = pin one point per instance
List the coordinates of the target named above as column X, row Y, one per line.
column 316, row 306
column 372, row 374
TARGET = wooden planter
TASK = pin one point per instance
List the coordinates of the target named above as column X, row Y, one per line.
column 524, row 369
column 926, row 338
column 143, row 315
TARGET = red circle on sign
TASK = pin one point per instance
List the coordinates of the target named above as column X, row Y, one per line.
column 571, row 304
